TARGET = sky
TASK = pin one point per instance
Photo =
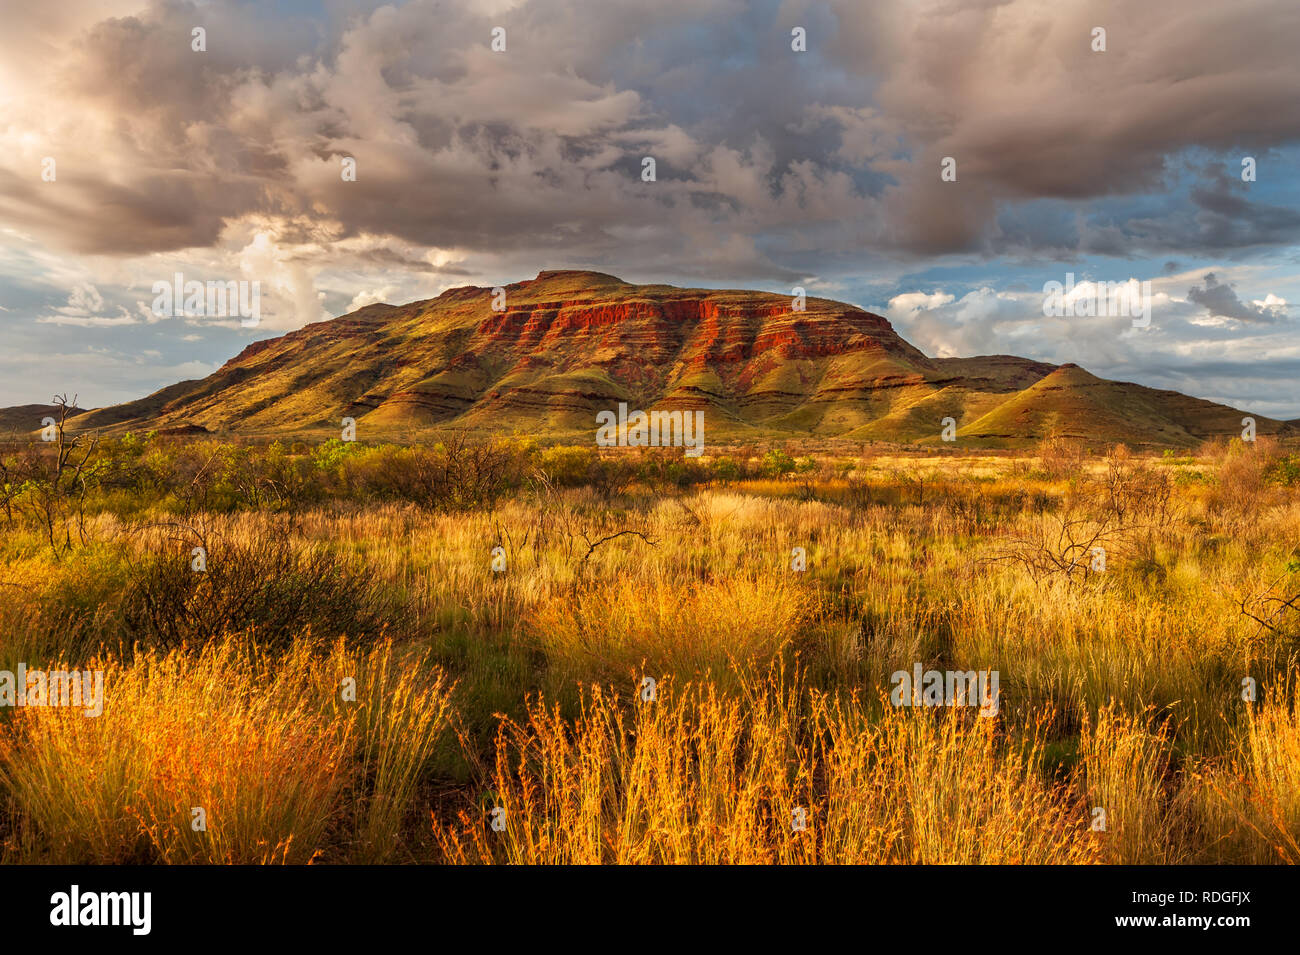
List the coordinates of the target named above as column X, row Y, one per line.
column 128, row 156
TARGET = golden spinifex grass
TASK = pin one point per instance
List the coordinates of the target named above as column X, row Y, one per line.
column 768, row 777
column 1273, row 745
column 1123, row 689
column 608, row 629
column 1251, row 805
column 265, row 745
column 1126, row 762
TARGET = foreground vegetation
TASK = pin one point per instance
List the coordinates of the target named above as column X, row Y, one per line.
column 351, row 653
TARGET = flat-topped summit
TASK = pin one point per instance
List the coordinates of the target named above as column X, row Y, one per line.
column 582, row 277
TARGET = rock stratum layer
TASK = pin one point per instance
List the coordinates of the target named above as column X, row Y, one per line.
column 570, row 344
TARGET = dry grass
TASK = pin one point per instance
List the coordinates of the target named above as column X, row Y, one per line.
column 695, row 777
column 609, row 631
column 1249, row 805
column 263, row 743
column 1120, row 689
column 1126, row 766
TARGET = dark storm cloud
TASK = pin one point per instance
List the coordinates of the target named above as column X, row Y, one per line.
column 540, row 148
column 1014, row 92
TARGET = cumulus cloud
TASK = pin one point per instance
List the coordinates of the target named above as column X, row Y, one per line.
column 909, row 302
column 85, row 308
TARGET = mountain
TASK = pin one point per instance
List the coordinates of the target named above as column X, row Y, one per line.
column 570, row 343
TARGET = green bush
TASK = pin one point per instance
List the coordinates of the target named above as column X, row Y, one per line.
column 1285, row 471
column 568, row 466
column 726, row 470
column 776, row 463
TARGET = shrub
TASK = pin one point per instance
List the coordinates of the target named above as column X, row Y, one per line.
column 776, row 463
column 1059, row 456
column 266, row 586
column 450, row 476
column 568, row 466
column 725, row 471
column 1284, row 471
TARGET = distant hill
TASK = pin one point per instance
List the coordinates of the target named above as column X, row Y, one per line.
column 571, row 343
column 23, row 419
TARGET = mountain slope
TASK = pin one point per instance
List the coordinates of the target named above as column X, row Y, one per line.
column 569, row 344
column 1074, row 403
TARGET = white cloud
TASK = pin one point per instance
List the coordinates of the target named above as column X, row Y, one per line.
column 916, row 301
column 85, row 308
column 366, row 297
